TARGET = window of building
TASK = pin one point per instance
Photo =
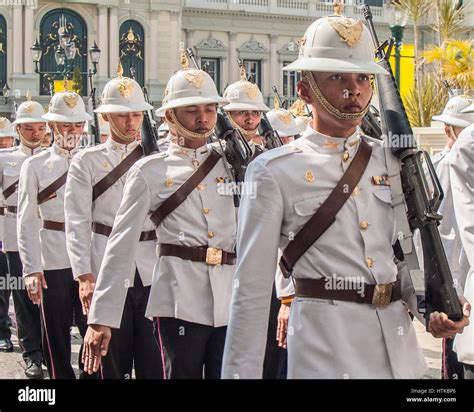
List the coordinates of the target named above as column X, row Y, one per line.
column 213, row 67
column 53, row 23
column 3, row 51
column 132, row 49
column 290, row 79
column 254, row 71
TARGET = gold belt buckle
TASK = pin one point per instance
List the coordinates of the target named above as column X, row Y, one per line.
column 213, row 256
column 382, row 294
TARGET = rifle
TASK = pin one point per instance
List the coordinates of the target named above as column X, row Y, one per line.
column 94, row 125
column 149, row 132
column 440, row 294
column 371, row 123
column 271, row 137
column 237, row 150
column 283, row 103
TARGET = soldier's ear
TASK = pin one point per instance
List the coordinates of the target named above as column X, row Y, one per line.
column 302, row 88
column 168, row 118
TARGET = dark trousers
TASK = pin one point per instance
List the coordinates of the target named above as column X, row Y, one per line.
column 133, row 345
column 274, row 355
column 26, row 313
column 5, row 332
column 61, row 305
column 450, row 367
column 191, row 350
column 468, row 371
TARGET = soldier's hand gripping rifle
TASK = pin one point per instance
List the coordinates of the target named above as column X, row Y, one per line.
column 269, row 135
column 440, row 294
column 94, row 125
column 149, row 132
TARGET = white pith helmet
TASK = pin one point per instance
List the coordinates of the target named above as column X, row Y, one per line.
column 454, row 113
column 244, row 95
column 29, row 112
column 336, row 44
column 67, row 107
column 283, row 122
column 6, row 128
column 122, row 95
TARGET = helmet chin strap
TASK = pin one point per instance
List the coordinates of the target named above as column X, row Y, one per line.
column 184, row 132
column 116, row 131
column 26, row 142
column 246, row 133
column 308, row 76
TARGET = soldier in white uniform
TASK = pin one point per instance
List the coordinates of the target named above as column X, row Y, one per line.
column 46, row 266
column 94, row 190
column 454, row 122
column 341, row 324
column 245, row 110
column 7, row 137
column 461, row 174
column 196, row 225
column 31, row 128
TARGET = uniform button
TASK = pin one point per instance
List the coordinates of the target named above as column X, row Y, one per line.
column 210, row 235
column 206, row 210
column 370, row 262
column 200, row 187
column 195, row 163
column 364, row 225
column 345, row 157
column 356, row 191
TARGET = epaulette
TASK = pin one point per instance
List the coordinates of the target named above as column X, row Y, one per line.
column 279, row 152
column 151, row 158
column 372, row 139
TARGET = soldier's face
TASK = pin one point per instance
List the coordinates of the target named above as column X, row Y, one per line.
column 128, row 123
column 70, row 134
column 33, row 132
column 199, row 118
column 347, row 92
column 6, row 142
column 247, row 119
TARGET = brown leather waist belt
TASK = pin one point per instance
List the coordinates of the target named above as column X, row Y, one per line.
column 105, row 230
column 337, row 289
column 210, row 255
column 51, row 225
column 2, row 211
column 12, row 209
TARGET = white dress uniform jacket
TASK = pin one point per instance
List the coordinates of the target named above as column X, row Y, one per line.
column 44, row 249
column 86, row 248
column 462, row 185
column 183, row 289
column 326, row 339
column 10, row 165
column 449, row 229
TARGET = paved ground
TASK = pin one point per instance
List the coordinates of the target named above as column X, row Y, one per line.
column 12, row 365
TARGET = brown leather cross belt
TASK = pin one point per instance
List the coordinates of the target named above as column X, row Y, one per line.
column 2, row 211
column 51, row 225
column 105, row 230
column 337, row 289
column 12, row 209
column 210, row 255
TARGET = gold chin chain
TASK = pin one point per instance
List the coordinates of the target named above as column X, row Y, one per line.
column 308, row 76
column 246, row 133
column 188, row 134
column 115, row 130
